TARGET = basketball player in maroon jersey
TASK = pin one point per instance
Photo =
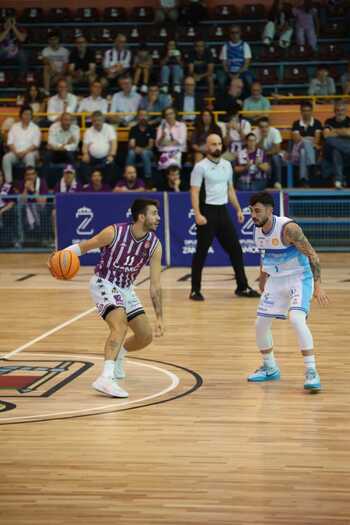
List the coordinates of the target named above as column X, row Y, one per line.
column 125, row 249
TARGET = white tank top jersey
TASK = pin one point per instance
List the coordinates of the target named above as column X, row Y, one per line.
column 278, row 259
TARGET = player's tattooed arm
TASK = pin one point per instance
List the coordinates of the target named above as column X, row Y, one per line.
column 155, row 288
column 295, row 235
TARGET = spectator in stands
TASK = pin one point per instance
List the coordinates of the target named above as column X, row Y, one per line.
column 188, row 101
column 167, row 11
column 236, row 57
column 68, row 183
column 117, row 61
column 35, row 217
column 141, row 144
column 323, row 84
column 82, row 67
column 23, row 141
column 11, row 39
column 34, row 98
column 205, row 125
column 96, row 184
column 7, row 211
column 306, row 134
column 228, row 101
column 142, row 67
column 55, row 59
column 99, row 147
column 337, row 146
column 155, row 102
column 63, row 141
column 236, row 132
column 252, row 167
column 345, row 80
column 62, row 102
column 95, row 102
column 256, row 102
column 172, row 179
column 280, row 23
column 125, row 101
column 201, row 66
column 270, row 140
column 306, row 24
column 130, row 181
column 171, row 66
column 171, row 139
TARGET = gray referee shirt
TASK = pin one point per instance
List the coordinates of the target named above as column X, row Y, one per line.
column 216, row 176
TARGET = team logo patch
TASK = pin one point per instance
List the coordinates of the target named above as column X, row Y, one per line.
column 275, row 242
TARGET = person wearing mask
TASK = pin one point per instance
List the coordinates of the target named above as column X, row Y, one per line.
column 130, row 181
column 252, row 167
column 141, row 144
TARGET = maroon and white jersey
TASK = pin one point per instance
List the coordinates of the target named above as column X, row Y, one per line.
column 122, row 260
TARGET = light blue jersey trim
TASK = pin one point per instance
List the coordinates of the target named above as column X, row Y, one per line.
column 276, row 316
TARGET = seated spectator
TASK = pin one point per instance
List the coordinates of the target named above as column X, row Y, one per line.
column 95, row 102
column 82, row 67
column 270, row 140
column 201, row 66
column 35, row 213
column 236, row 57
column 323, row 84
column 11, row 40
column 345, row 80
column 99, row 147
column 24, row 139
column 96, row 184
column 172, row 179
column 141, row 144
column 34, row 98
column 55, row 59
column 306, row 134
column 155, row 102
column 280, row 23
column 167, row 11
column 171, row 139
column 125, row 101
column 252, row 167
column 7, row 211
column 130, row 181
column 142, row 67
column 63, row 141
column 256, row 102
column 205, row 125
column 337, row 143
column 68, row 183
column 117, row 61
column 188, row 101
column 63, row 102
column 306, row 23
column 233, row 97
column 171, row 66
column 236, row 132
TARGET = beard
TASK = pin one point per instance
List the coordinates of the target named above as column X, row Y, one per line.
column 261, row 223
column 216, row 153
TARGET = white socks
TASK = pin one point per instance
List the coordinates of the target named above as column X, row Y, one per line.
column 269, row 360
column 122, row 353
column 108, row 369
column 310, row 362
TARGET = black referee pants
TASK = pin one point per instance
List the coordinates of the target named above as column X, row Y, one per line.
column 219, row 225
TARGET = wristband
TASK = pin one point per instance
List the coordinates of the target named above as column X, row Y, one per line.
column 74, row 248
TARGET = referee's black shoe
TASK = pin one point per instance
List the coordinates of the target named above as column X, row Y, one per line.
column 196, row 296
column 248, row 292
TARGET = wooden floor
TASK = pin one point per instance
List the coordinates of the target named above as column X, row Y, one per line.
column 177, row 451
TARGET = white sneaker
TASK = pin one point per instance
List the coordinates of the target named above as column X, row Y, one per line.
column 109, row 386
column 119, row 372
column 312, row 380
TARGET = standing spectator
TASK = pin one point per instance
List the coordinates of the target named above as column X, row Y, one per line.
column 201, row 66
column 99, row 147
column 337, row 147
column 345, row 80
column 306, row 24
column 125, row 101
column 130, row 181
column 236, row 57
column 280, row 23
column 171, row 139
column 95, row 102
column 256, row 102
column 188, row 101
column 233, row 97
column 155, row 102
column 141, row 144
column 23, row 140
column 167, row 11
column 142, row 67
column 323, row 84
column 34, row 98
column 205, row 125
column 171, row 66
column 172, row 179
column 68, row 183
column 55, row 59
column 236, row 132
column 306, row 134
column 11, row 38
column 96, row 184
column 63, row 141
column 270, row 140
column 82, row 67
column 7, row 211
column 252, row 167
column 62, row 102
column 117, row 61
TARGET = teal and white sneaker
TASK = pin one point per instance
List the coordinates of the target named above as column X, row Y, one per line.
column 265, row 374
column 312, row 380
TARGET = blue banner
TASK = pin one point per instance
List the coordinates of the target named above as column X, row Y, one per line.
column 80, row 216
column 183, row 232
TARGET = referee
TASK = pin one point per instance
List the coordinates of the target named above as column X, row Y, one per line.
column 211, row 189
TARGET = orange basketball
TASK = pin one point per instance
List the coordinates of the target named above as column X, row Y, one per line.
column 64, row 264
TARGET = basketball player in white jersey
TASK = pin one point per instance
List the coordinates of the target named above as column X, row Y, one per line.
column 290, row 275
column 125, row 249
